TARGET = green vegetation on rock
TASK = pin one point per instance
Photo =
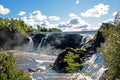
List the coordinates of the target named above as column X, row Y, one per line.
column 111, row 50
column 73, row 66
column 7, row 68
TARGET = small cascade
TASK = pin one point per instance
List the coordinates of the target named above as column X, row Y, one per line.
column 86, row 38
column 83, row 40
column 94, row 67
column 41, row 44
column 30, row 45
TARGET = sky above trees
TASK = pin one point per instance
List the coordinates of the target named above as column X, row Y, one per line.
column 68, row 15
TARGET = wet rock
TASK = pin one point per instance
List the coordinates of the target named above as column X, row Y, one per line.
column 37, row 39
column 59, row 64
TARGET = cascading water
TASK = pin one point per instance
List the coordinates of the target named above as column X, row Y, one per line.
column 30, row 45
column 86, row 38
column 83, row 40
column 42, row 42
column 94, row 67
column 92, row 70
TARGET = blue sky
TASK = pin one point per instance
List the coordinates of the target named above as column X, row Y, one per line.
column 67, row 15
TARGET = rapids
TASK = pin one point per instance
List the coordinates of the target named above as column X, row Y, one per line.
column 93, row 67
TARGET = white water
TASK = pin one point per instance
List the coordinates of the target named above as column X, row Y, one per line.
column 86, row 38
column 42, row 42
column 94, row 67
column 92, row 70
column 30, row 45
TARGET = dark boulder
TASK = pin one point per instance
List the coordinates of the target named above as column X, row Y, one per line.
column 60, row 65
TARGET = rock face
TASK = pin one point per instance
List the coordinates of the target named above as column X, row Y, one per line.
column 10, row 40
column 37, row 39
column 95, row 42
column 61, row 41
column 57, row 40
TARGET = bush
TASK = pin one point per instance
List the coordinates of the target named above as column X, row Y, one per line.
column 111, row 51
column 7, row 68
column 73, row 66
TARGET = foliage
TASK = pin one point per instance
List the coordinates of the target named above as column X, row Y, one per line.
column 43, row 29
column 20, row 26
column 78, row 49
column 73, row 66
column 7, row 68
column 111, row 51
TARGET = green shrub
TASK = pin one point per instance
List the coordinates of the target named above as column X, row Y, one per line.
column 7, row 68
column 111, row 51
column 73, row 66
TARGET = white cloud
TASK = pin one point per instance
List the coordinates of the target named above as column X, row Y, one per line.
column 54, row 18
column 111, row 20
column 21, row 13
column 29, row 22
column 37, row 15
column 114, row 13
column 97, row 11
column 72, row 15
column 4, row 10
column 73, row 24
column 77, row 2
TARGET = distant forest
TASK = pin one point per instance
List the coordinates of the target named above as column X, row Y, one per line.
column 19, row 25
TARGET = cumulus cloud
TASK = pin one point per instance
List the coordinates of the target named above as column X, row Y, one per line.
column 21, row 13
column 77, row 2
column 97, row 11
column 29, row 22
column 72, row 15
column 37, row 15
column 76, row 21
column 111, row 20
column 4, row 10
column 73, row 24
column 54, row 18
column 114, row 13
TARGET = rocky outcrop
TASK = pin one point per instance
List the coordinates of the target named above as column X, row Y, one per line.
column 95, row 42
column 85, row 51
column 62, row 41
column 37, row 39
column 60, row 65
column 36, row 70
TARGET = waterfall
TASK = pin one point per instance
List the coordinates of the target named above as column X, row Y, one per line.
column 86, row 38
column 94, row 67
column 41, row 44
column 30, row 45
column 83, row 40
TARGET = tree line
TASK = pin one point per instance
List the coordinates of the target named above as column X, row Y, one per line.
column 19, row 25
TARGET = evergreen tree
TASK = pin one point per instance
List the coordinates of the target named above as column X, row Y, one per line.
column 7, row 68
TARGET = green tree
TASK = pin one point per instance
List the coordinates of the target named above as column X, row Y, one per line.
column 111, row 52
column 7, row 68
column 73, row 66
